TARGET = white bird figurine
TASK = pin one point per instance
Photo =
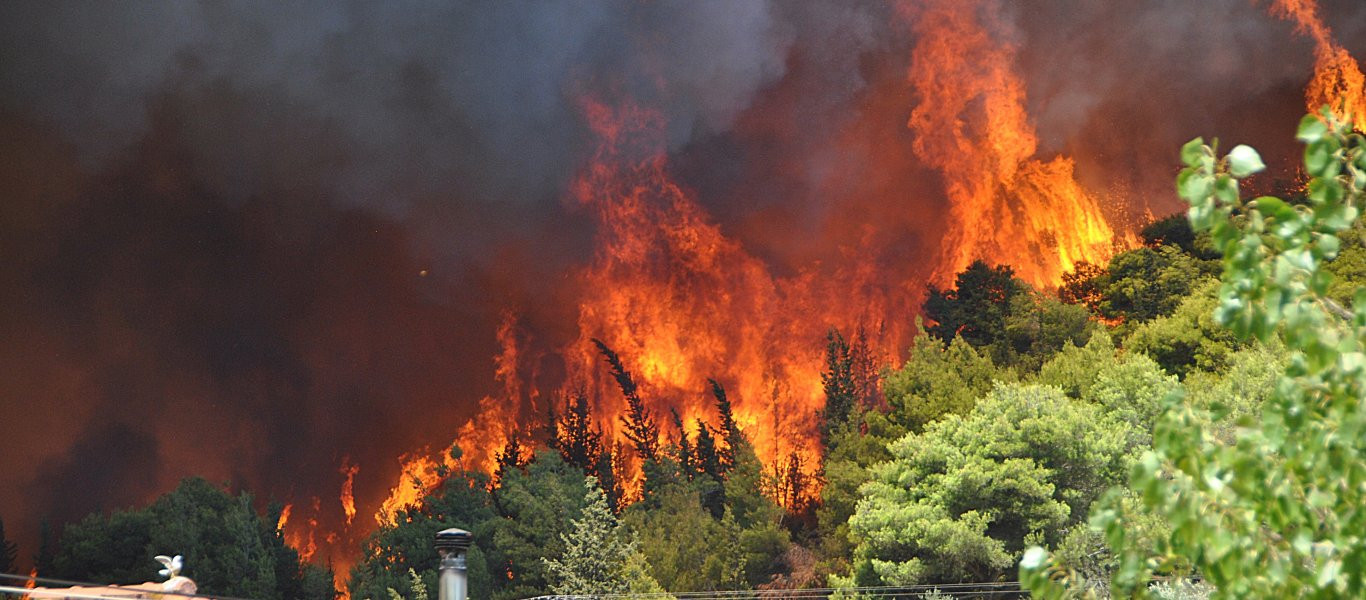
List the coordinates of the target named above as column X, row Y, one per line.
column 173, row 565
column 175, row 582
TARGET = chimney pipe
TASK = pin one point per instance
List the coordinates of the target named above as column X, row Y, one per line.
column 451, row 545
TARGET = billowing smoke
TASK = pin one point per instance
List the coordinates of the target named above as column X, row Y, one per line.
column 255, row 241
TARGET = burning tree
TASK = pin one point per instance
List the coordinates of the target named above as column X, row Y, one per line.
column 639, row 420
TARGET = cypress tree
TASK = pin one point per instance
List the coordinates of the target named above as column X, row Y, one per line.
column 730, row 432
column 686, row 459
column 641, row 428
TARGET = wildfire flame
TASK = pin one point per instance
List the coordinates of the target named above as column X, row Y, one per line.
column 31, row 582
column 301, row 537
column 284, row 517
column 1338, row 81
column 417, row 477
column 479, row 439
column 348, row 500
column 970, row 124
column 681, row 302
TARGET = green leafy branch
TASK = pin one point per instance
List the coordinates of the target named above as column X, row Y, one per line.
column 1281, row 512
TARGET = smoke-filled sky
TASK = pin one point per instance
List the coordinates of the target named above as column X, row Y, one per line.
column 252, row 240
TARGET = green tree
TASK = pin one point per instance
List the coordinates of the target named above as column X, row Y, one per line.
column 600, row 556
column 1073, row 369
column 1348, row 267
column 509, row 458
column 1132, row 391
column 47, row 551
column 229, row 549
column 1084, row 285
column 729, row 430
column 419, row 590
column 939, row 380
column 763, row 540
column 1145, row 283
column 9, row 551
column 1189, row 339
column 837, row 380
column 850, row 381
column 391, row 552
column 687, row 549
column 537, row 507
column 1037, row 327
column 1276, row 514
column 976, row 307
column 1129, row 386
column 578, row 439
column 1175, row 230
column 959, row 501
column 846, row 468
column 1237, row 395
column 639, row 421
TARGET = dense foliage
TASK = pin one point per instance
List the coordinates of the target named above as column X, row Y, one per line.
column 229, row 548
column 1225, row 392
column 1271, row 508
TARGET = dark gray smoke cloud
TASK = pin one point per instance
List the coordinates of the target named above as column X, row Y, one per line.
column 421, row 99
column 247, row 240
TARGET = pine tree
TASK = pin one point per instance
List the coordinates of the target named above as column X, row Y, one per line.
column 551, row 430
column 601, row 556
column 684, row 450
column 509, row 458
column 641, row 428
column 730, row 433
column 8, row 551
column 47, row 551
column 838, row 381
column 606, row 472
column 795, row 492
column 579, row 442
column 864, row 372
column 707, row 457
column 708, row 464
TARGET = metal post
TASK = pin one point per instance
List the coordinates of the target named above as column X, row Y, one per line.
column 451, row 545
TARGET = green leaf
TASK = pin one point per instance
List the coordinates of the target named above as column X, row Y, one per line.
column 1034, row 558
column 1318, row 158
column 1243, row 161
column 1193, row 151
column 1194, row 186
column 1269, row 204
column 1324, row 191
column 1302, row 543
column 1329, row 572
column 1328, row 246
column 1311, row 129
column 1226, row 189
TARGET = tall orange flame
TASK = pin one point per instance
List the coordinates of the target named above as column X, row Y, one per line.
column 348, row 500
column 1338, row 81
column 284, row 517
column 418, row 476
column 970, row 124
column 301, row 537
column 681, row 302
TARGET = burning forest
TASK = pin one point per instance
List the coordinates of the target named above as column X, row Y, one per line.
column 305, row 250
